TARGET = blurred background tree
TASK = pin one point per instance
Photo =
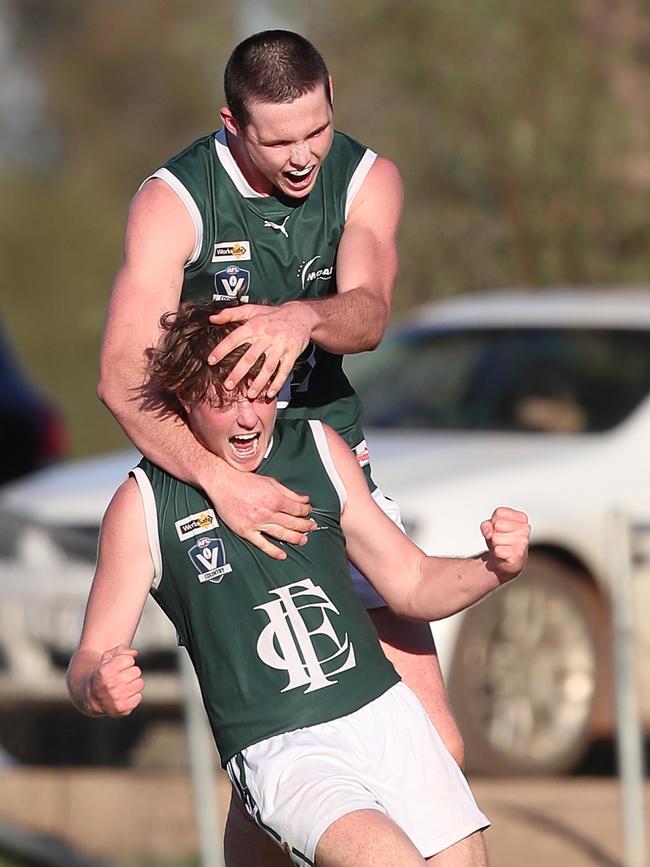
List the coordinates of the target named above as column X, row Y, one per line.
column 522, row 131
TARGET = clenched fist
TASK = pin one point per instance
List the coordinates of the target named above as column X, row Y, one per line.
column 116, row 685
column 507, row 533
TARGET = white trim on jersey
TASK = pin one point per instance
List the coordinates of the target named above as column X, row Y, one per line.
column 231, row 168
column 326, row 457
column 359, row 176
column 151, row 522
column 186, row 198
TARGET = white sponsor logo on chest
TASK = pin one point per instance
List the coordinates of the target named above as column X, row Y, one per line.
column 308, row 274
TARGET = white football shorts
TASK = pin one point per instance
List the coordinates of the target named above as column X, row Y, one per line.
column 386, row 756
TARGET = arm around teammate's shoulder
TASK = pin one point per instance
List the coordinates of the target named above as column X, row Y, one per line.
column 159, row 239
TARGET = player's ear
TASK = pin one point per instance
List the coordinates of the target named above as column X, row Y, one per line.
column 331, row 87
column 229, row 121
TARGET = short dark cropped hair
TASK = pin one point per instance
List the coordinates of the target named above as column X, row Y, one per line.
column 273, row 66
column 177, row 367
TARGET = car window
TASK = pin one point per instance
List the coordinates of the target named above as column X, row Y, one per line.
column 556, row 380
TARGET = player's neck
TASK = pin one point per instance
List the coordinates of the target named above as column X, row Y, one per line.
column 259, row 182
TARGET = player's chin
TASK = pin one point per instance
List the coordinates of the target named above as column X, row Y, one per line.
column 247, row 463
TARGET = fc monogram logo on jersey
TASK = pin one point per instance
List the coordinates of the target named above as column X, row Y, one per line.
column 231, row 284
column 209, row 559
column 300, row 637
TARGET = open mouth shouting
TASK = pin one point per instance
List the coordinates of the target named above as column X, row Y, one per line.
column 245, row 446
column 299, row 179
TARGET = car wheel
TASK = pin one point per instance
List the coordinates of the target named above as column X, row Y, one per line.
column 527, row 670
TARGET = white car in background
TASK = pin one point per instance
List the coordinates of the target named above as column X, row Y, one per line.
column 537, row 400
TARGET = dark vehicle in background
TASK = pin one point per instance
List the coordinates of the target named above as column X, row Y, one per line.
column 32, row 433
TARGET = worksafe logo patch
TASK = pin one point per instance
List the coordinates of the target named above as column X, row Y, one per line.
column 195, row 524
column 229, row 251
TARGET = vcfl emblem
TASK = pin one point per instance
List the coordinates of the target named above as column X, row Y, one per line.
column 286, row 642
column 231, row 283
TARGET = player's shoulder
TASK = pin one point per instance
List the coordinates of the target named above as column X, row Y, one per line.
column 336, row 443
column 384, row 176
column 381, row 191
column 156, row 200
column 158, row 218
column 124, row 508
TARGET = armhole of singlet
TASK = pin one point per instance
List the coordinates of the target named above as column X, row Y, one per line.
column 151, row 522
column 326, row 457
column 358, row 177
column 186, row 198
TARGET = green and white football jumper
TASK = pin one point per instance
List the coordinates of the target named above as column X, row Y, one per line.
column 277, row 645
column 272, row 249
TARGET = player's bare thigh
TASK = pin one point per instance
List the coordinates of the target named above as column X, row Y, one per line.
column 469, row 852
column 411, row 649
column 246, row 845
column 368, row 838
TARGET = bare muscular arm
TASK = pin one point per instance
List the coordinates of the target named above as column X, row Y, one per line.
column 159, row 239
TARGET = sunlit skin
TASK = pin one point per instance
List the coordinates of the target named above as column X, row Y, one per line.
column 284, row 144
column 238, row 431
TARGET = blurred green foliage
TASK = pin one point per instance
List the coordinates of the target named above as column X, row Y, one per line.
column 521, row 129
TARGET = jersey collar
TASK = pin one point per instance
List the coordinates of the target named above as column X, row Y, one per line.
column 230, row 166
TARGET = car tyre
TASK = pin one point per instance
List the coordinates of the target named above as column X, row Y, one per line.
column 529, row 669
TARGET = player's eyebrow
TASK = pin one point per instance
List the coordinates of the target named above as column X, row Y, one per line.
column 316, row 131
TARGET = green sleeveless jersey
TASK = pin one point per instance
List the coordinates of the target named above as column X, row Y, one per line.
column 272, row 249
column 277, row 645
